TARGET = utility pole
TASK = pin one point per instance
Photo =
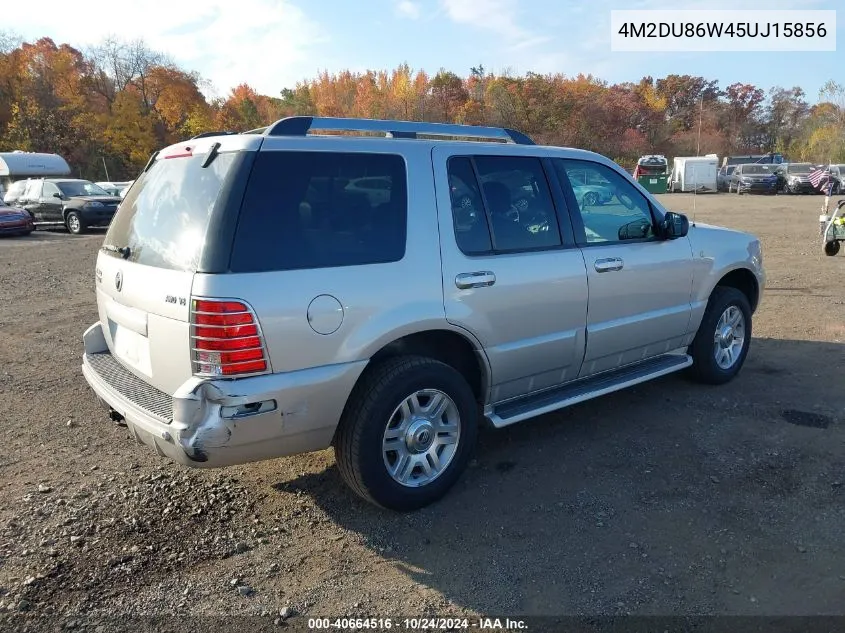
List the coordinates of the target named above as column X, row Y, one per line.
column 700, row 114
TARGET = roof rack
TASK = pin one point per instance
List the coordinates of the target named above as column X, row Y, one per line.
column 258, row 130
column 300, row 126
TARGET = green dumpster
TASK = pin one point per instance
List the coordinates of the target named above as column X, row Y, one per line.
column 652, row 173
column 655, row 183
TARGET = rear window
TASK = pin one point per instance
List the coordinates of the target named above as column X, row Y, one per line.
column 16, row 189
column 164, row 217
column 321, row 209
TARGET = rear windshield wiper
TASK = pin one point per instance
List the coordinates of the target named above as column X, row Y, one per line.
column 123, row 251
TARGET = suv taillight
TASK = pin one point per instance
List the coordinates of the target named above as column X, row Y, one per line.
column 225, row 338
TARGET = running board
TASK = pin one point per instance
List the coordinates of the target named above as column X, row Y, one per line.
column 586, row 389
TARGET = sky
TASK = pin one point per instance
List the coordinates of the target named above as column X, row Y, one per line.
column 273, row 44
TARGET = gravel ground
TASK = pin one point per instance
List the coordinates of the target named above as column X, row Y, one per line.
column 668, row 498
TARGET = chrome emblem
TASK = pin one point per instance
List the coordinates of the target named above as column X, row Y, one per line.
column 118, row 281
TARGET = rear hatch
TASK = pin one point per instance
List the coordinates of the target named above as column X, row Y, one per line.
column 172, row 224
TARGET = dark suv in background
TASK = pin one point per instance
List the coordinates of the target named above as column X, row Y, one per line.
column 75, row 204
column 753, row 177
column 795, row 178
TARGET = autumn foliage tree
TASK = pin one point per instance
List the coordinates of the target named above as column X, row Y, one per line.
column 119, row 101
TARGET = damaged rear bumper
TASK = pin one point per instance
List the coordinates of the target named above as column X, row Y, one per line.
column 212, row 423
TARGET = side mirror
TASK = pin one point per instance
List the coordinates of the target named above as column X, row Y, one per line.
column 636, row 230
column 57, row 195
column 674, row 225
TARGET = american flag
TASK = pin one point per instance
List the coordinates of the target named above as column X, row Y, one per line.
column 819, row 176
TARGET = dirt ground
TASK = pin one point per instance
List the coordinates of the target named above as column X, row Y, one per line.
column 669, row 498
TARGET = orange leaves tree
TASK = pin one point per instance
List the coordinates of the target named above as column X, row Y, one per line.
column 119, row 101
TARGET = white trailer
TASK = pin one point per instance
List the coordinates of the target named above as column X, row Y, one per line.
column 20, row 165
column 694, row 173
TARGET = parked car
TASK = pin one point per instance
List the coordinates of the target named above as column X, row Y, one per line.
column 73, row 203
column 114, row 188
column 377, row 190
column 795, row 178
column 247, row 314
column 126, row 189
column 723, row 177
column 837, row 172
column 15, row 221
column 591, row 190
column 753, row 177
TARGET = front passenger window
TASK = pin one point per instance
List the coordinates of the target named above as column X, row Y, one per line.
column 611, row 208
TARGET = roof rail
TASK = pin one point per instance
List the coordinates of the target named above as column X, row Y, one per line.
column 219, row 133
column 300, row 125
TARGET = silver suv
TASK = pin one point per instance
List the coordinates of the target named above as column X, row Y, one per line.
column 385, row 290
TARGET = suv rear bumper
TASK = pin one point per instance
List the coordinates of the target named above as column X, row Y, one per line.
column 208, row 424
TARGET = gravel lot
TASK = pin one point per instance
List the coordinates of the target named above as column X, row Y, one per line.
column 666, row 498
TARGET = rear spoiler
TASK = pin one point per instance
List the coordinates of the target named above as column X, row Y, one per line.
column 206, row 134
column 259, row 130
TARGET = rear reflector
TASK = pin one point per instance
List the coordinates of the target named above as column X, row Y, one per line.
column 226, row 339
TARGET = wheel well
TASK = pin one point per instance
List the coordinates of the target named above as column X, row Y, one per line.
column 447, row 347
column 743, row 280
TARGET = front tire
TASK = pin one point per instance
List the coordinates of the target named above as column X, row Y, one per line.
column 831, row 248
column 407, row 432
column 75, row 224
column 723, row 338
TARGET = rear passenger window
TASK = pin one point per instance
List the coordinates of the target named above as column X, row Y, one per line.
column 510, row 210
column 322, row 209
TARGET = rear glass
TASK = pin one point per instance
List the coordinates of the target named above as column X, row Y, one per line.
column 164, row 217
column 321, row 209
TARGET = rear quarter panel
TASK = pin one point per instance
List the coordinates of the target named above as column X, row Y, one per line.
column 379, row 302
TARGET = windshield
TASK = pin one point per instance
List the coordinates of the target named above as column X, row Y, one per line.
column 164, row 217
column 80, row 188
column 756, row 169
column 798, row 169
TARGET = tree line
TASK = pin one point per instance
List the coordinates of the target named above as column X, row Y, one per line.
column 117, row 102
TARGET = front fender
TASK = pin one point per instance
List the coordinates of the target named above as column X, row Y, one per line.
column 718, row 252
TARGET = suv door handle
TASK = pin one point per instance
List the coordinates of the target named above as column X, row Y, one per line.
column 609, row 264
column 478, row 279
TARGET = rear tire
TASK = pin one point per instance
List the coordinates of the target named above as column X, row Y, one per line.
column 726, row 318
column 378, row 407
column 75, row 223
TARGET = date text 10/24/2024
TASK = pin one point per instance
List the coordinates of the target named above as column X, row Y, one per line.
column 417, row 624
